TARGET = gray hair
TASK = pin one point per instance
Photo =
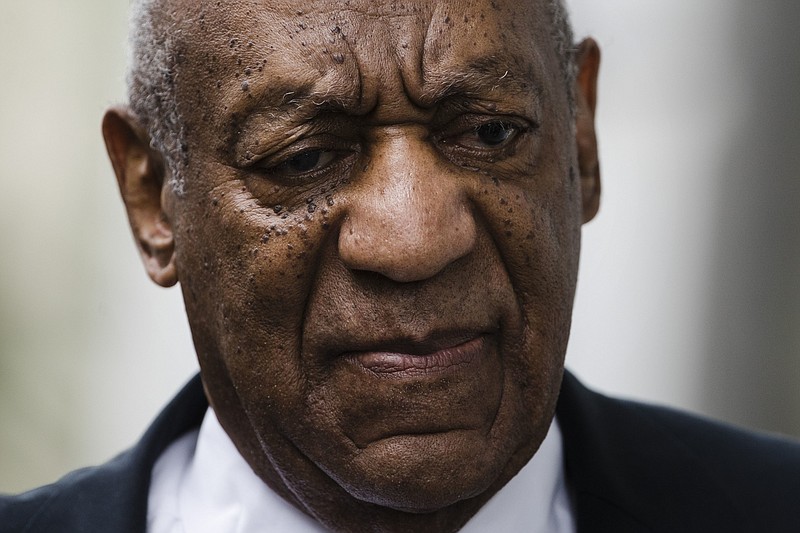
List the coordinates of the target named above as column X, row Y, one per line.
column 564, row 41
column 151, row 83
column 152, row 74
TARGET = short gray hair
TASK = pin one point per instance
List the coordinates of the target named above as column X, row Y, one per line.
column 151, row 83
column 152, row 74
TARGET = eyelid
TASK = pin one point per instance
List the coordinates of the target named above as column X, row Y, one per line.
column 471, row 122
column 264, row 139
column 322, row 142
column 275, row 169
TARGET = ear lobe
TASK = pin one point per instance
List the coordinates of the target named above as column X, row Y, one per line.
column 588, row 62
column 141, row 176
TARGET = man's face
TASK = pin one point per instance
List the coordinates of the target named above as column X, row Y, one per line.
column 378, row 240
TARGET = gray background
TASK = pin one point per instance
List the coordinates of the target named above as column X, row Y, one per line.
column 689, row 289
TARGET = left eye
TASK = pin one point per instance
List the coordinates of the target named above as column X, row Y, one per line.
column 495, row 133
column 307, row 161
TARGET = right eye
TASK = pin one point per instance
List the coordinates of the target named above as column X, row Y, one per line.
column 494, row 134
column 305, row 162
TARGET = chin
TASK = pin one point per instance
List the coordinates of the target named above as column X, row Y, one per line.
column 424, row 473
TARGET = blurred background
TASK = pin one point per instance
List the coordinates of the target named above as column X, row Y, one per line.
column 689, row 290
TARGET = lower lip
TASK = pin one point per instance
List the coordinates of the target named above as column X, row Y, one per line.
column 393, row 364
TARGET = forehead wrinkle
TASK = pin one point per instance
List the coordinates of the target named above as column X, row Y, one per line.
column 410, row 62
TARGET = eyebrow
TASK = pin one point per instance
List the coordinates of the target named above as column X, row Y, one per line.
column 481, row 77
column 283, row 98
column 286, row 102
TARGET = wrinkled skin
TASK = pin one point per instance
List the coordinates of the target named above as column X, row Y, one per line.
column 377, row 242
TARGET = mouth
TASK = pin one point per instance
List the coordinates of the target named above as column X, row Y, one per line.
column 431, row 356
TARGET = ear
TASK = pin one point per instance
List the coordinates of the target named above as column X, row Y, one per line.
column 588, row 62
column 140, row 174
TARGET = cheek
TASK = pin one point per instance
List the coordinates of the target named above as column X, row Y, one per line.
column 246, row 273
column 536, row 229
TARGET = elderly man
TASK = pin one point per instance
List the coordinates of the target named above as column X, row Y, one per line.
column 374, row 209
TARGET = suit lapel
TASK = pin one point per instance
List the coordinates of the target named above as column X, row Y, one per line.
column 628, row 472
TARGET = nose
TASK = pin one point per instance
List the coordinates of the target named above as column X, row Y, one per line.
column 408, row 217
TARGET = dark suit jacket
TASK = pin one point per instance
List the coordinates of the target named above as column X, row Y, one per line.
column 631, row 468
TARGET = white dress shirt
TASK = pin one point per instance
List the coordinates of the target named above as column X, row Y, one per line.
column 201, row 484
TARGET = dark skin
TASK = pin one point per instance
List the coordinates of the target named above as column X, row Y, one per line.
column 377, row 243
